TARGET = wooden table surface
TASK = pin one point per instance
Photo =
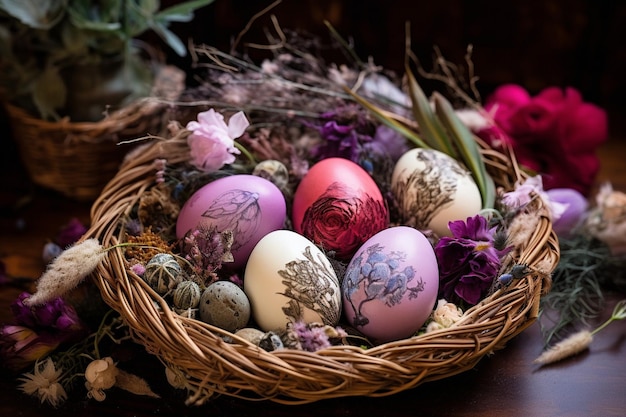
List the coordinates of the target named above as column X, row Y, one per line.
column 504, row 384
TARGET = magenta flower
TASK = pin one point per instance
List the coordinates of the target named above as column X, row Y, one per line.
column 37, row 331
column 468, row 261
column 212, row 141
column 554, row 133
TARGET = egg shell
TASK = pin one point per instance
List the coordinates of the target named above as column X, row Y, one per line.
column 248, row 205
column 225, row 305
column 338, row 206
column 432, row 189
column 390, row 285
column 288, row 279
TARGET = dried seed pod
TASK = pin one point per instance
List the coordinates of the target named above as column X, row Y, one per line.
column 273, row 171
column 186, row 295
column 163, row 273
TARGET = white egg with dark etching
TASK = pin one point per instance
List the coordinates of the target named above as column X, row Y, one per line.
column 432, row 189
column 288, row 279
column 390, row 286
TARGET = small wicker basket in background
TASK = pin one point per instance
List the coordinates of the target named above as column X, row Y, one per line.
column 198, row 351
column 77, row 159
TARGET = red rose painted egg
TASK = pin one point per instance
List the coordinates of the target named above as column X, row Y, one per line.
column 338, row 206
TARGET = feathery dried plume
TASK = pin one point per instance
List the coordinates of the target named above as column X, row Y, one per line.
column 134, row 384
column 67, row 271
column 567, row 347
column 579, row 341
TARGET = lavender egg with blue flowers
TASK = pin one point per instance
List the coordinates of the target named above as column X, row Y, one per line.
column 246, row 205
column 390, row 285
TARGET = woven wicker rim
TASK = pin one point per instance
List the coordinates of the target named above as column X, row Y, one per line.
column 212, row 366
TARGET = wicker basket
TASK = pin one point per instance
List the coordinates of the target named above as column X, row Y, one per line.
column 77, row 159
column 212, row 366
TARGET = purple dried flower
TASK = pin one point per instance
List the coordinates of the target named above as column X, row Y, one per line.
column 388, row 141
column 313, row 336
column 468, row 261
column 70, row 233
column 21, row 346
column 134, row 227
column 55, row 314
column 205, row 250
column 37, row 331
column 345, row 131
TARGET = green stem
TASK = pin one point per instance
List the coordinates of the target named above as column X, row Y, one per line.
column 619, row 313
column 603, row 325
column 245, row 152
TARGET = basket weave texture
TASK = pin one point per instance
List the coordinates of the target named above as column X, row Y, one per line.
column 77, row 159
column 213, row 366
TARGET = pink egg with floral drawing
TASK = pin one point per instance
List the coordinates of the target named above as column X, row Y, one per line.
column 338, row 206
column 391, row 284
column 247, row 205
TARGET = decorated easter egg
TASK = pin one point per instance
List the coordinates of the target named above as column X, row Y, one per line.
column 390, row 285
column 432, row 189
column 247, row 205
column 289, row 279
column 338, row 206
column 225, row 305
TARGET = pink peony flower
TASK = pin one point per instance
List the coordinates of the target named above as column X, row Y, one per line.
column 554, row 133
column 212, row 141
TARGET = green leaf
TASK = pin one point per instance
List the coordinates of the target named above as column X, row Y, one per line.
column 468, row 149
column 170, row 38
column 389, row 121
column 38, row 14
column 182, row 11
column 430, row 127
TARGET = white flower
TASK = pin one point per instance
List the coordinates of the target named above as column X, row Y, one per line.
column 607, row 221
column 100, row 374
column 444, row 316
column 377, row 85
column 473, row 119
column 103, row 374
column 44, row 382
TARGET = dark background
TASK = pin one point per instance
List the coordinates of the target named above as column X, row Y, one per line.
column 535, row 43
